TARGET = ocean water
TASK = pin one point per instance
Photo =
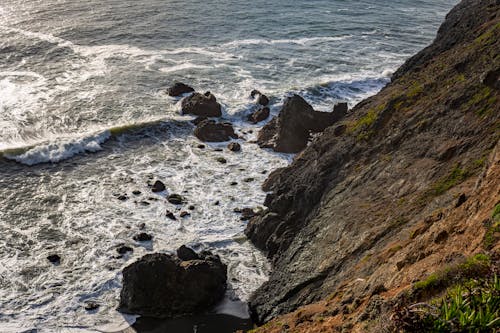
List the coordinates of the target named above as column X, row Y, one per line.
column 84, row 117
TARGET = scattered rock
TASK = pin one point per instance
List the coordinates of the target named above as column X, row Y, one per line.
column 175, row 199
column 217, row 203
column 185, row 253
column 144, row 203
column 191, row 207
column 212, row 131
column 234, row 146
column 124, row 249
column 201, row 146
column 179, row 89
column 171, row 215
column 142, row 226
column 201, row 105
column 163, row 286
column 91, row 306
column 247, row 214
column 248, row 180
column 290, row 131
column 221, row 160
column 143, row 237
column 54, row 258
column 136, row 192
column 184, row 214
column 259, row 115
column 122, row 197
column 198, row 120
column 254, row 93
column 158, row 186
column 233, row 183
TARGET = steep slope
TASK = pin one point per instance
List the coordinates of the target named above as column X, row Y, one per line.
column 403, row 186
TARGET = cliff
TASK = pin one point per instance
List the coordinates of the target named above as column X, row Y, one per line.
column 403, row 186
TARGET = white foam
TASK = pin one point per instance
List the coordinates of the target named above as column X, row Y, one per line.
column 61, row 149
column 298, row 41
column 186, row 65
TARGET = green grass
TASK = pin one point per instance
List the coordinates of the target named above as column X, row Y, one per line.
column 456, row 176
column 493, row 229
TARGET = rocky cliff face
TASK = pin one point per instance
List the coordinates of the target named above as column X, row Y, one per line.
column 402, row 186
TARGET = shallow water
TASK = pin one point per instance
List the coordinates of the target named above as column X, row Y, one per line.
column 84, row 118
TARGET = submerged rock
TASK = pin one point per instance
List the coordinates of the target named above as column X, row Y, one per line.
column 164, row 286
column 262, row 99
column 54, row 258
column 212, row 131
column 289, row 132
column 175, row 199
column 179, row 89
column 201, row 105
column 123, row 249
column 143, row 237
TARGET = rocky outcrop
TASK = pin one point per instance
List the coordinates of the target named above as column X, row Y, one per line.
column 289, row 132
column 370, row 206
column 179, row 89
column 212, row 131
column 164, row 286
column 201, row 105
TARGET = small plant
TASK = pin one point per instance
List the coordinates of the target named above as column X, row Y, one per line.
column 456, row 176
column 491, row 236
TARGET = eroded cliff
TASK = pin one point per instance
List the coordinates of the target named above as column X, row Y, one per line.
column 403, row 186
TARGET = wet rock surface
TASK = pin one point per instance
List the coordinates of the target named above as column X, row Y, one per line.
column 165, row 286
column 212, row 131
column 201, row 105
column 179, row 89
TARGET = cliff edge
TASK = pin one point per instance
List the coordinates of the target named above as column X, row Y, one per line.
column 403, row 186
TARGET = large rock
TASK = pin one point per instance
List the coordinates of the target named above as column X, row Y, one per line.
column 212, row 131
column 163, row 286
column 179, row 89
column 289, row 132
column 259, row 115
column 201, row 105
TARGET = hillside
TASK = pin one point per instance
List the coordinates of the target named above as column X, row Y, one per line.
column 403, row 187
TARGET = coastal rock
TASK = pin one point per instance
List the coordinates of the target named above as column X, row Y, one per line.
column 212, row 131
column 175, row 199
column 185, row 253
column 234, row 146
column 163, row 286
column 123, row 249
column 158, row 186
column 259, row 115
column 179, row 89
column 261, row 99
column 143, row 237
column 54, row 258
column 289, row 132
column 340, row 110
column 170, row 215
column 201, row 105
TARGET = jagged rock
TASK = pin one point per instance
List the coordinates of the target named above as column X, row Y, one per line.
column 54, row 258
column 179, row 89
column 234, row 146
column 170, row 215
column 163, row 286
column 143, row 237
column 290, row 131
column 263, row 100
column 185, row 253
column 91, row 306
column 259, row 115
column 212, row 131
column 201, row 105
column 158, row 186
column 184, row 214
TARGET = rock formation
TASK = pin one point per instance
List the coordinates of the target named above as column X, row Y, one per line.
column 165, row 286
column 371, row 206
column 201, row 105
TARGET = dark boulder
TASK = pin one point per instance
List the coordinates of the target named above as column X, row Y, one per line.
column 198, row 120
column 234, row 146
column 254, row 93
column 263, row 100
column 163, row 286
column 259, row 115
column 179, row 89
column 123, row 249
column 170, row 215
column 212, row 131
column 290, row 131
column 340, row 110
column 54, row 258
column 158, row 186
column 143, row 237
column 201, row 105
column 185, row 253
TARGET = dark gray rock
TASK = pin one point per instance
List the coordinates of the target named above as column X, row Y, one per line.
column 212, row 131
column 143, row 237
column 185, row 253
column 179, row 89
column 234, row 146
column 259, row 115
column 163, row 286
column 158, row 186
column 201, row 105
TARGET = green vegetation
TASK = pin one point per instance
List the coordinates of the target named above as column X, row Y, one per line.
column 415, row 90
column 492, row 237
column 456, row 176
column 483, row 100
column 473, row 306
column 365, row 121
column 477, row 265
